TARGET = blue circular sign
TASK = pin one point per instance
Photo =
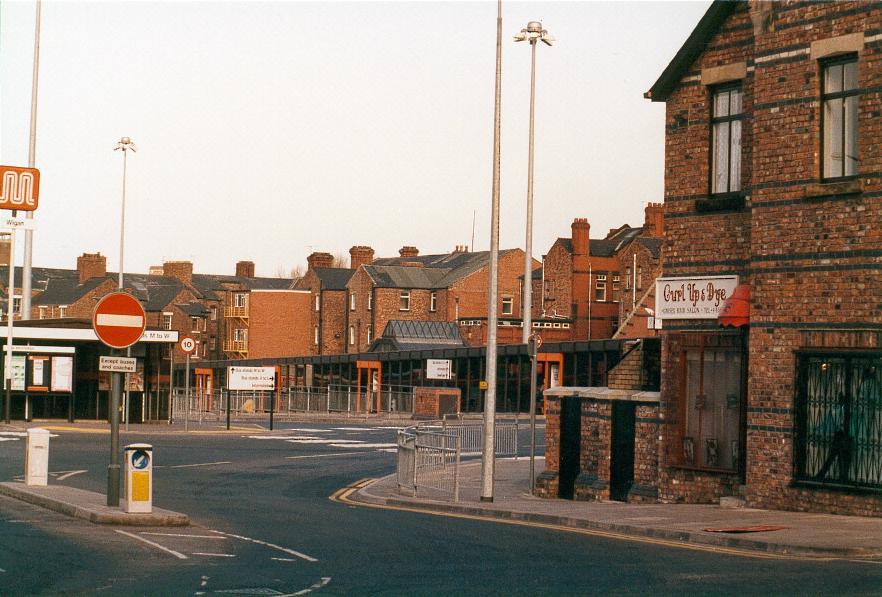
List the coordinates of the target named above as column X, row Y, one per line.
column 140, row 459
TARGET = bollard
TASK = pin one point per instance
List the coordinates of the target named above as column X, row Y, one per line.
column 37, row 457
column 138, row 486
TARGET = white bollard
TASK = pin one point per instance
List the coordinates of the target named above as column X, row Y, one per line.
column 37, row 457
column 138, row 486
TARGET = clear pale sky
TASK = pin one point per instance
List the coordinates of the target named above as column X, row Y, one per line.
column 267, row 130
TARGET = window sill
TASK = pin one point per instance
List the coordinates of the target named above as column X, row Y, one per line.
column 703, row 469
column 851, row 186
column 720, row 202
column 827, row 486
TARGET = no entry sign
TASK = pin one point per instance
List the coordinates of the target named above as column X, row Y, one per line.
column 119, row 320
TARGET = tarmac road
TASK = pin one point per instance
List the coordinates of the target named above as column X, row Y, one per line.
column 263, row 524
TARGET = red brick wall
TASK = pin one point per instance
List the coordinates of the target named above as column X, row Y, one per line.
column 558, row 282
column 279, row 323
column 806, row 248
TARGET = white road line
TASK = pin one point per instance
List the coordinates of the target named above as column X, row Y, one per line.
column 324, row 441
column 204, row 581
column 322, row 583
column 200, row 464
column 68, row 474
column 284, row 559
column 177, row 554
column 214, row 555
column 10, row 439
column 183, row 535
column 320, row 455
column 350, row 445
column 354, row 428
column 2, row 570
column 302, row 556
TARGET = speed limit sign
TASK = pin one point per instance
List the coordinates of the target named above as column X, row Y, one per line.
column 187, row 344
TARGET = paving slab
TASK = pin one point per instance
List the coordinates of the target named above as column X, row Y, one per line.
column 88, row 505
column 788, row 533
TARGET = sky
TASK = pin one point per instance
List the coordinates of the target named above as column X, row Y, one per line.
column 269, row 130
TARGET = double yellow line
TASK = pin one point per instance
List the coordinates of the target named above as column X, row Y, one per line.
column 342, row 496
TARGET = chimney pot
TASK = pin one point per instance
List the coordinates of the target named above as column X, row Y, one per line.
column 91, row 265
column 245, row 269
column 408, row 251
column 360, row 255
column 319, row 260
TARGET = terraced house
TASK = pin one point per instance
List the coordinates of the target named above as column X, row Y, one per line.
column 772, row 340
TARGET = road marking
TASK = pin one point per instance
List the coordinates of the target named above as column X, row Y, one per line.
column 320, row 455
column 350, row 445
column 324, row 441
column 183, row 535
column 177, row 554
column 342, row 496
column 76, row 429
column 284, row 559
column 354, row 428
column 203, row 581
column 318, row 585
column 10, row 439
column 200, row 464
column 302, row 556
column 67, row 474
column 214, row 555
column 287, row 437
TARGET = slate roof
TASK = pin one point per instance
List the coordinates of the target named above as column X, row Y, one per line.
column 334, row 278
column 653, row 244
column 400, row 276
column 65, row 291
column 193, row 308
column 455, row 266
column 417, row 335
column 707, row 26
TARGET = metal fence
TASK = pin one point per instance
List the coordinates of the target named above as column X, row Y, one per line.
column 297, row 399
column 429, row 460
column 429, row 454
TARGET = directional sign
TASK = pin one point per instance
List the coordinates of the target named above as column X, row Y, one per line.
column 119, row 320
column 19, row 188
column 17, row 224
column 118, row 364
column 187, row 344
column 140, row 459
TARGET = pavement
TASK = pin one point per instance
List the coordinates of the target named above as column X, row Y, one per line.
column 89, row 505
column 797, row 534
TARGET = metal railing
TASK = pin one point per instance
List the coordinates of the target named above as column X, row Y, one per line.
column 429, row 454
column 296, row 399
column 429, row 460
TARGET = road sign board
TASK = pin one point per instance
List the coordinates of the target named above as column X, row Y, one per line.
column 187, row 344
column 251, row 378
column 118, row 364
column 119, row 320
column 17, row 224
column 438, row 369
column 19, row 188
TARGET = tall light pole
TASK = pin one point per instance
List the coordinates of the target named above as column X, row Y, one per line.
column 488, row 453
column 125, row 145
column 32, row 145
column 533, row 33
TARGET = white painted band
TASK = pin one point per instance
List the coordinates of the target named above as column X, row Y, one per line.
column 123, row 321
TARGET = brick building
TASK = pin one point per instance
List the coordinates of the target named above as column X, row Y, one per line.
column 773, row 188
column 328, row 295
column 443, row 287
column 593, row 285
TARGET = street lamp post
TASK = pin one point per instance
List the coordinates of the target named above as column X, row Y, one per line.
column 488, row 452
column 533, row 33
column 125, row 145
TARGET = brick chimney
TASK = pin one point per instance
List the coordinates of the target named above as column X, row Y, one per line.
column 407, row 252
column 581, row 230
column 180, row 270
column 244, row 269
column 359, row 256
column 412, row 264
column 654, row 222
column 91, row 265
column 320, row 260
column 4, row 248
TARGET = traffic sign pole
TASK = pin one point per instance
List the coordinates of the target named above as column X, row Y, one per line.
column 113, row 467
column 187, row 396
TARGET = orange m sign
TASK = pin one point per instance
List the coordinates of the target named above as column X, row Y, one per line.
column 19, row 188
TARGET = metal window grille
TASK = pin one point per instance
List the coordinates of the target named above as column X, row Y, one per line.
column 839, row 420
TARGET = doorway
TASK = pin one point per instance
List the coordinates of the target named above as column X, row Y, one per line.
column 622, row 450
column 570, row 440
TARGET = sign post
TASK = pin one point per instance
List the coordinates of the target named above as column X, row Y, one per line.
column 252, row 378
column 19, row 190
column 119, row 321
column 533, row 344
column 188, row 345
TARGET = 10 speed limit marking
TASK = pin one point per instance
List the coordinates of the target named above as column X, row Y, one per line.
column 187, row 344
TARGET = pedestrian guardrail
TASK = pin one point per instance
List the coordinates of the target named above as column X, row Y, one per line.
column 338, row 399
column 429, row 460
